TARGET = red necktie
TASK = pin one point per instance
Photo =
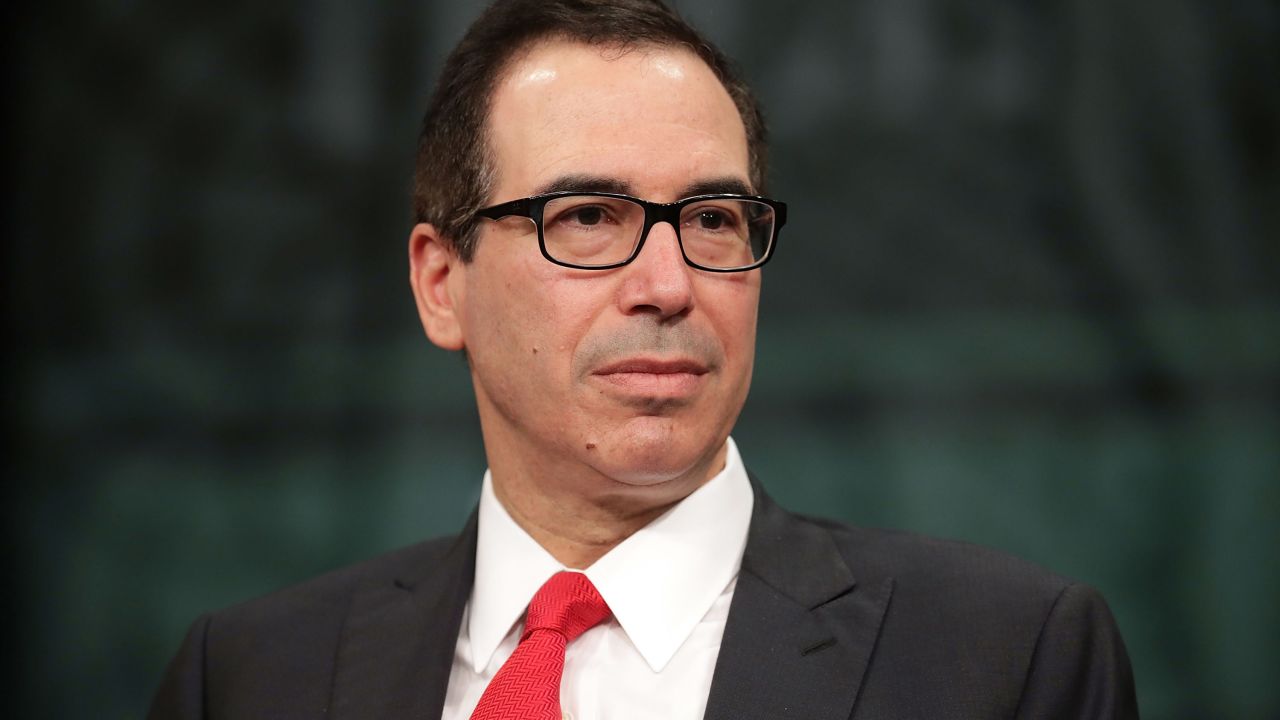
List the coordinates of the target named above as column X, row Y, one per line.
column 527, row 686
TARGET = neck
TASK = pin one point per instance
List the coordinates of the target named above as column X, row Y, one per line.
column 578, row 528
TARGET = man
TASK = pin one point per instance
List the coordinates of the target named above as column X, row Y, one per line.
column 591, row 234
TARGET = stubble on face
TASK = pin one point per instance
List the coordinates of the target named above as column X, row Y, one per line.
column 650, row 337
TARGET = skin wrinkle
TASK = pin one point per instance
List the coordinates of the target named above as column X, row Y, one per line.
column 598, row 539
column 579, row 158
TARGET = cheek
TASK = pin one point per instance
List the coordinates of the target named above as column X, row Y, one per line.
column 733, row 308
column 493, row 316
column 569, row 308
column 532, row 315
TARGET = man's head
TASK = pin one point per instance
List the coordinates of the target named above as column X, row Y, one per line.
column 612, row 382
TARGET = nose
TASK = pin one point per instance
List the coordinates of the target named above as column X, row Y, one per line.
column 658, row 281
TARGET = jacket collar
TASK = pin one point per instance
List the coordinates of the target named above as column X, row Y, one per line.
column 800, row 630
column 397, row 645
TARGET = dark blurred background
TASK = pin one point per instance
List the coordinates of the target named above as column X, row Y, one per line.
column 1027, row 297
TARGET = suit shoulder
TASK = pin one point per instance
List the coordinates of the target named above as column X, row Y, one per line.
column 929, row 564
column 330, row 592
column 970, row 625
column 278, row 651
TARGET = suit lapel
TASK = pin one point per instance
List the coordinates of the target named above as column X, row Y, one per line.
column 397, row 645
column 800, row 630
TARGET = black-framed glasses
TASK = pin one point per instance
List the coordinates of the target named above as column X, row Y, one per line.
column 599, row 231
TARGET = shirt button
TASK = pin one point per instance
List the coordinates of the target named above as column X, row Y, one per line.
column 564, row 715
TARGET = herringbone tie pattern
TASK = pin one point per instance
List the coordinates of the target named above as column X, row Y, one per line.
column 527, row 686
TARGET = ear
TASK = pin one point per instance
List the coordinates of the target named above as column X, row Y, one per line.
column 432, row 264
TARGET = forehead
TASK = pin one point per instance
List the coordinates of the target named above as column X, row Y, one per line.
column 654, row 118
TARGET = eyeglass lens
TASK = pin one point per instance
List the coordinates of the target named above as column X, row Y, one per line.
column 590, row 230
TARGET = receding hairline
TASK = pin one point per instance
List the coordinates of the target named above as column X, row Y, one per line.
column 610, row 49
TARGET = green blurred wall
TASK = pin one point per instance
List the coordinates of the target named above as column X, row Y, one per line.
column 1027, row 297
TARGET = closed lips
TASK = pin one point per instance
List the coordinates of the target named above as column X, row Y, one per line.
column 653, row 367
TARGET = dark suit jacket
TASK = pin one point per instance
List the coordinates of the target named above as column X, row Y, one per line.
column 827, row 621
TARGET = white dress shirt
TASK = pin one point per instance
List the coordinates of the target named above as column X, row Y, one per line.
column 669, row 586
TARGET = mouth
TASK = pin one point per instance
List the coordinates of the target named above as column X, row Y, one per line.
column 651, row 377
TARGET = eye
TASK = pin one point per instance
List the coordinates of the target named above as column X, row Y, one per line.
column 590, row 215
column 709, row 219
column 713, row 219
column 574, row 213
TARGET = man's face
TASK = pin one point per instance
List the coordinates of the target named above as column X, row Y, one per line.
column 639, row 372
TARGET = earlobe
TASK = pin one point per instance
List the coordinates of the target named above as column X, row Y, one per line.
column 432, row 261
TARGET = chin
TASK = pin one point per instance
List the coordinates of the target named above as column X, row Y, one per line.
column 647, row 477
column 663, row 455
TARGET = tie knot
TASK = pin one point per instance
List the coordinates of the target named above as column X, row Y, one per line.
column 567, row 603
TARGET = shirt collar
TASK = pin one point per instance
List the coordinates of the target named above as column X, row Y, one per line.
column 659, row 582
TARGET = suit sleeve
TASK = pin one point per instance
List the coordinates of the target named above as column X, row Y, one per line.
column 1080, row 668
column 181, row 693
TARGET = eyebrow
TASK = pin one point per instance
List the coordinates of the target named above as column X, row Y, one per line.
column 604, row 183
column 585, row 183
column 714, row 186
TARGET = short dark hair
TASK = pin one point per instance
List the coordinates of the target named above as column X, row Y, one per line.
column 454, row 172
